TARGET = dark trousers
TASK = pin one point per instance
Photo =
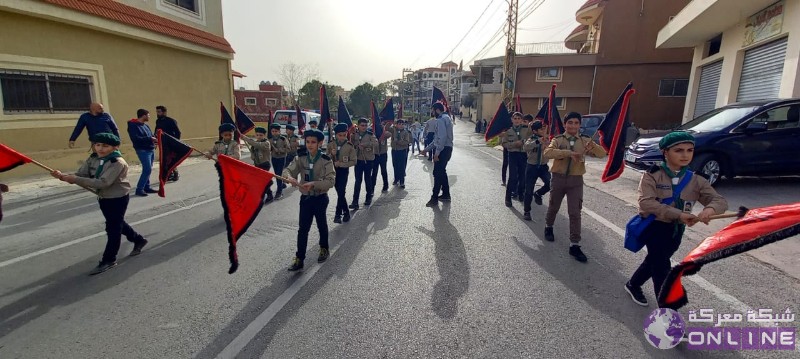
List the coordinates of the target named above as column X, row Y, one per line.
column 380, row 162
column 517, row 162
column 399, row 160
column 278, row 164
column 532, row 173
column 572, row 188
column 312, row 208
column 341, row 186
column 505, row 165
column 363, row 173
column 661, row 242
column 114, row 212
column 266, row 166
column 428, row 140
column 440, row 181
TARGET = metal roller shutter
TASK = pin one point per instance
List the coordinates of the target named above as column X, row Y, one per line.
column 707, row 90
column 761, row 71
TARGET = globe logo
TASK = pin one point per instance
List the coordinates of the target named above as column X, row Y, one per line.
column 664, row 328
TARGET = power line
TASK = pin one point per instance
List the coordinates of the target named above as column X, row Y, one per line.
column 468, row 31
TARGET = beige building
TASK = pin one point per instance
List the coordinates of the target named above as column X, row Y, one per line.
column 743, row 50
column 57, row 56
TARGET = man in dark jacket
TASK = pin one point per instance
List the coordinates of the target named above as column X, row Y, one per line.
column 144, row 144
column 170, row 127
column 95, row 121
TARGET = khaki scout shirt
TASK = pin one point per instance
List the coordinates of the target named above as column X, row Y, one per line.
column 321, row 172
column 260, row 151
column 656, row 185
column 293, row 144
column 343, row 155
column 230, row 149
column 561, row 148
column 401, row 139
column 535, row 148
column 513, row 135
column 113, row 181
column 280, row 146
column 366, row 145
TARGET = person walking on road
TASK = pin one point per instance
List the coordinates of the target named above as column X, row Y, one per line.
column 366, row 145
column 144, row 142
column 442, row 150
column 513, row 142
column 343, row 154
column 537, row 167
column 169, row 126
column 95, row 121
column 401, row 138
column 430, row 128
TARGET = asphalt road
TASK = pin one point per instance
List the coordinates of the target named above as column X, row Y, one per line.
column 467, row 279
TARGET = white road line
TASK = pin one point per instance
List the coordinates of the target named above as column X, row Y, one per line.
column 84, row 239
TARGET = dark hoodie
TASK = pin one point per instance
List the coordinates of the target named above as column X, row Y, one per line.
column 141, row 135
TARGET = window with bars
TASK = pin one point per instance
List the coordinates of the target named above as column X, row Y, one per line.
column 190, row 5
column 43, row 92
column 673, row 87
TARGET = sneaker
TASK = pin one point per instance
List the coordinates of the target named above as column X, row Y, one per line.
column 385, row 189
column 346, row 217
column 368, row 201
column 402, row 185
column 354, row 205
column 508, row 203
column 278, row 195
column 636, row 294
column 269, row 198
column 432, row 203
column 337, row 219
column 137, row 248
column 537, row 198
column 548, row 234
column 150, row 190
column 444, row 198
column 527, row 216
column 323, row 255
column 102, row 267
column 503, row 184
column 576, row 252
column 394, row 183
column 297, row 265
column 141, row 194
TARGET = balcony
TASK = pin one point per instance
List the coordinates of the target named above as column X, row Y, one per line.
column 556, row 48
column 590, row 11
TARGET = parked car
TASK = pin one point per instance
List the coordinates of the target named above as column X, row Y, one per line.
column 284, row 117
column 754, row 138
column 589, row 124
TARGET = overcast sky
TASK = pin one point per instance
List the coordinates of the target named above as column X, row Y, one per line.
column 353, row 41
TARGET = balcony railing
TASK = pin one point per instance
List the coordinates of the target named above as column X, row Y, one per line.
column 561, row 47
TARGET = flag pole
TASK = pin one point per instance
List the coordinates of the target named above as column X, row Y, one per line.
column 275, row 175
column 52, row 170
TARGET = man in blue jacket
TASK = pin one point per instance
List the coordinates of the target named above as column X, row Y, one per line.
column 144, row 144
column 95, row 121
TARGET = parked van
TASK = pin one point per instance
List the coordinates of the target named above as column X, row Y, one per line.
column 284, row 117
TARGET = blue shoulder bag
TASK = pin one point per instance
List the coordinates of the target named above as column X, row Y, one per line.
column 637, row 224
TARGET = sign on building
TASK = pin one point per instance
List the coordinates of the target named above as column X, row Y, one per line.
column 764, row 24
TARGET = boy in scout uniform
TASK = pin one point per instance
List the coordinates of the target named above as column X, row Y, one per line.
column 294, row 143
column 280, row 147
column 381, row 159
column 107, row 172
column 513, row 142
column 261, row 154
column 226, row 146
column 401, row 139
column 318, row 177
column 344, row 155
column 537, row 166
column 663, row 236
column 366, row 145
column 567, row 152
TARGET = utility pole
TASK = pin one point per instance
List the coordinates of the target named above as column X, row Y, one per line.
column 404, row 86
column 510, row 63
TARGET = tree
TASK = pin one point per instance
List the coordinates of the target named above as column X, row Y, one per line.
column 308, row 96
column 293, row 76
column 468, row 101
column 390, row 88
column 360, row 98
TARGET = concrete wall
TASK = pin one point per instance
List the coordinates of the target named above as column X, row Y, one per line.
column 208, row 17
column 127, row 75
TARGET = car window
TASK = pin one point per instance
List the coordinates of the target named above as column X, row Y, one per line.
column 780, row 117
column 717, row 119
column 591, row 121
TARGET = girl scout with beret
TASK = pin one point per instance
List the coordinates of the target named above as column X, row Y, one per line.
column 662, row 237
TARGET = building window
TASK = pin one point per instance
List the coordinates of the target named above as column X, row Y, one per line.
column 673, row 87
column 713, row 45
column 44, row 92
column 561, row 103
column 249, row 101
column 548, row 74
column 190, row 5
column 272, row 102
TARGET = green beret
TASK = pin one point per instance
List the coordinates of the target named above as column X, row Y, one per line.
column 314, row 133
column 290, row 128
column 341, row 127
column 107, row 138
column 275, row 126
column 312, row 122
column 226, row 127
column 261, row 130
column 674, row 138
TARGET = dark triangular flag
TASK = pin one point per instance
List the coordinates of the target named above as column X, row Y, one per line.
column 225, row 117
column 9, row 159
column 242, row 189
column 400, row 110
column 325, row 111
column 518, row 105
column 500, row 123
column 387, row 114
column 342, row 116
column 377, row 126
column 243, row 122
column 613, row 131
column 171, row 152
column 301, row 122
column 553, row 120
column 438, row 97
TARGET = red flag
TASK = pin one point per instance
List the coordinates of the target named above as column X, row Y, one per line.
column 242, row 188
column 613, row 133
column 400, row 111
column 171, row 152
column 9, row 159
column 757, row 228
column 517, row 104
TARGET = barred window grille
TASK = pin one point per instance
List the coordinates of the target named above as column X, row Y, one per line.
column 42, row 92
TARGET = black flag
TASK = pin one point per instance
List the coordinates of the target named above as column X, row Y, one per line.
column 243, row 123
column 171, row 152
column 613, row 132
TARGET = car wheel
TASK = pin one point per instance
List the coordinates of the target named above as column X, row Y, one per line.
column 709, row 167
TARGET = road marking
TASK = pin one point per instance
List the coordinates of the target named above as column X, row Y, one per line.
column 84, row 239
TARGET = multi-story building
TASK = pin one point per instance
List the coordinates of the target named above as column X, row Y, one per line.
column 58, row 56
column 742, row 51
column 419, row 87
column 257, row 104
column 489, row 75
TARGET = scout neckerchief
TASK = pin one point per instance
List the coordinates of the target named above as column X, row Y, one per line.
column 677, row 202
column 538, row 149
column 516, row 130
column 103, row 160
column 571, row 140
column 339, row 148
column 311, row 162
column 361, row 138
column 227, row 145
